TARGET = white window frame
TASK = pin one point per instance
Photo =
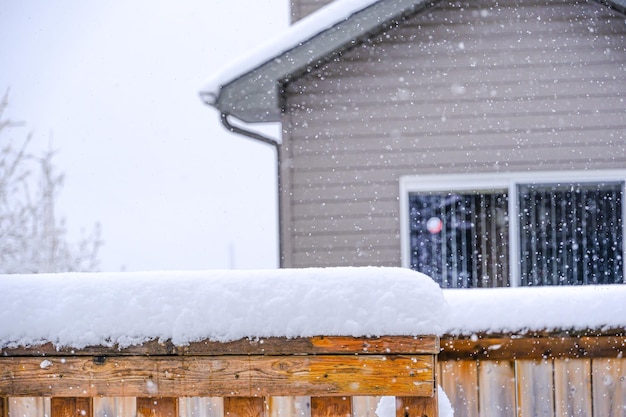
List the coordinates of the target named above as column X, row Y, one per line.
column 492, row 182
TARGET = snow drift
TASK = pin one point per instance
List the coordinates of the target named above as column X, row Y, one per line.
column 82, row 309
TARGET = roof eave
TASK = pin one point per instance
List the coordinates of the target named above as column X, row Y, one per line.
column 255, row 97
column 617, row 5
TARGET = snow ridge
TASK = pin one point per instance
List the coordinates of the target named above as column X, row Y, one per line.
column 83, row 309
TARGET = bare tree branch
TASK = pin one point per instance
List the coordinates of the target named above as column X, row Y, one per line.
column 32, row 238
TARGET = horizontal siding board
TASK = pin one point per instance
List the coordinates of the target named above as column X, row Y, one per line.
column 345, row 208
column 487, row 91
column 570, row 139
column 360, row 224
column 348, row 239
column 358, row 191
column 483, row 155
column 413, row 111
column 479, row 52
column 436, row 79
column 339, row 257
column 464, row 129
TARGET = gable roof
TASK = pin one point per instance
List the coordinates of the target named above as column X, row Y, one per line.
column 249, row 88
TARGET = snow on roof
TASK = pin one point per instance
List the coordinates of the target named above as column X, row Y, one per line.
column 81, row 309
column 305, row 29
column 527, row 309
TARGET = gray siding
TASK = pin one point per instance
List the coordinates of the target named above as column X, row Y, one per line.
column 461, row 87
column 302, row 8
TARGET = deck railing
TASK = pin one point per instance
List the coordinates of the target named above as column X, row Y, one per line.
column 539, row 375
column 245, row 378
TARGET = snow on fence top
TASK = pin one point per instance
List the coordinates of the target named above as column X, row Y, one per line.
column 82, row 309
column 542, row 309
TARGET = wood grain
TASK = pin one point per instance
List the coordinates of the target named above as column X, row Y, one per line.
column 331, row 406
column 532, row 347
column 244, row 407
column 115, row 407
column 263, row 346
column 416, row 406
column 572, row 387
column 496, row 381
column 459, row 380
column 4, row 407
column 157, row 407
column 535, row 388
column 609, row 387
column 71, row 407
column 222, row 376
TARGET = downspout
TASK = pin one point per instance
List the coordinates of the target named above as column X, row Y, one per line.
column 269, row 141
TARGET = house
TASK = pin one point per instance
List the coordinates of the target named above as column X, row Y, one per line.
column 480, row 142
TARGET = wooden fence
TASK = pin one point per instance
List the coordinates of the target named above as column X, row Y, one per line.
column 540, row 375
column 275, row 377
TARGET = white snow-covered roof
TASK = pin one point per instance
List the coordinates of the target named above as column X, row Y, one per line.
column 80, row 309
column 540, row 309
column 249, row 87
column 323, row 19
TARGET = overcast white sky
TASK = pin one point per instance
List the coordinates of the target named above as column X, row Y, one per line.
column 115, row 86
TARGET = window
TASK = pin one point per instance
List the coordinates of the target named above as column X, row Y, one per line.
column 515, row 229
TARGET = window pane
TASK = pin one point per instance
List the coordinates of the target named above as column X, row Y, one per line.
column 460, row 240
column 571, row 233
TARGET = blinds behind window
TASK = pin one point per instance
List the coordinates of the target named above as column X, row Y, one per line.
column 461, row 240
column 571, row 234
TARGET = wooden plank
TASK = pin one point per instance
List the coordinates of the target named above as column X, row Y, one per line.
column 365, row 406
column 71, row 407
column 331, row 406
column 262, row 346
column 496, row 381
column 201, row 407
column 459, row 380
column 157, row 407
column 416, row 406
column 535, row 388
column 222, row 376
column 244, row 407
column 538, row 347
column 572, row 387
column 609, row 386
column 4, row 407
column 114, row 407
column 29, row 407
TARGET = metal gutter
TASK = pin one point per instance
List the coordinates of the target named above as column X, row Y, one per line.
column 276, row 144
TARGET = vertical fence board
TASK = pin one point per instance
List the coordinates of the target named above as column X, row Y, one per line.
column 496, row 380
column 71, row 407
column 157, row 407
column 535, row 388
column 364, row 406
column 416, row 406
column 331, row 406
column 200, row 407
column 609, row 387
column 29, row 407
column 244, row 407
column 4, row 407
column 289, row 406
column 572, row 387
column 114, row 406
column 459, row 380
